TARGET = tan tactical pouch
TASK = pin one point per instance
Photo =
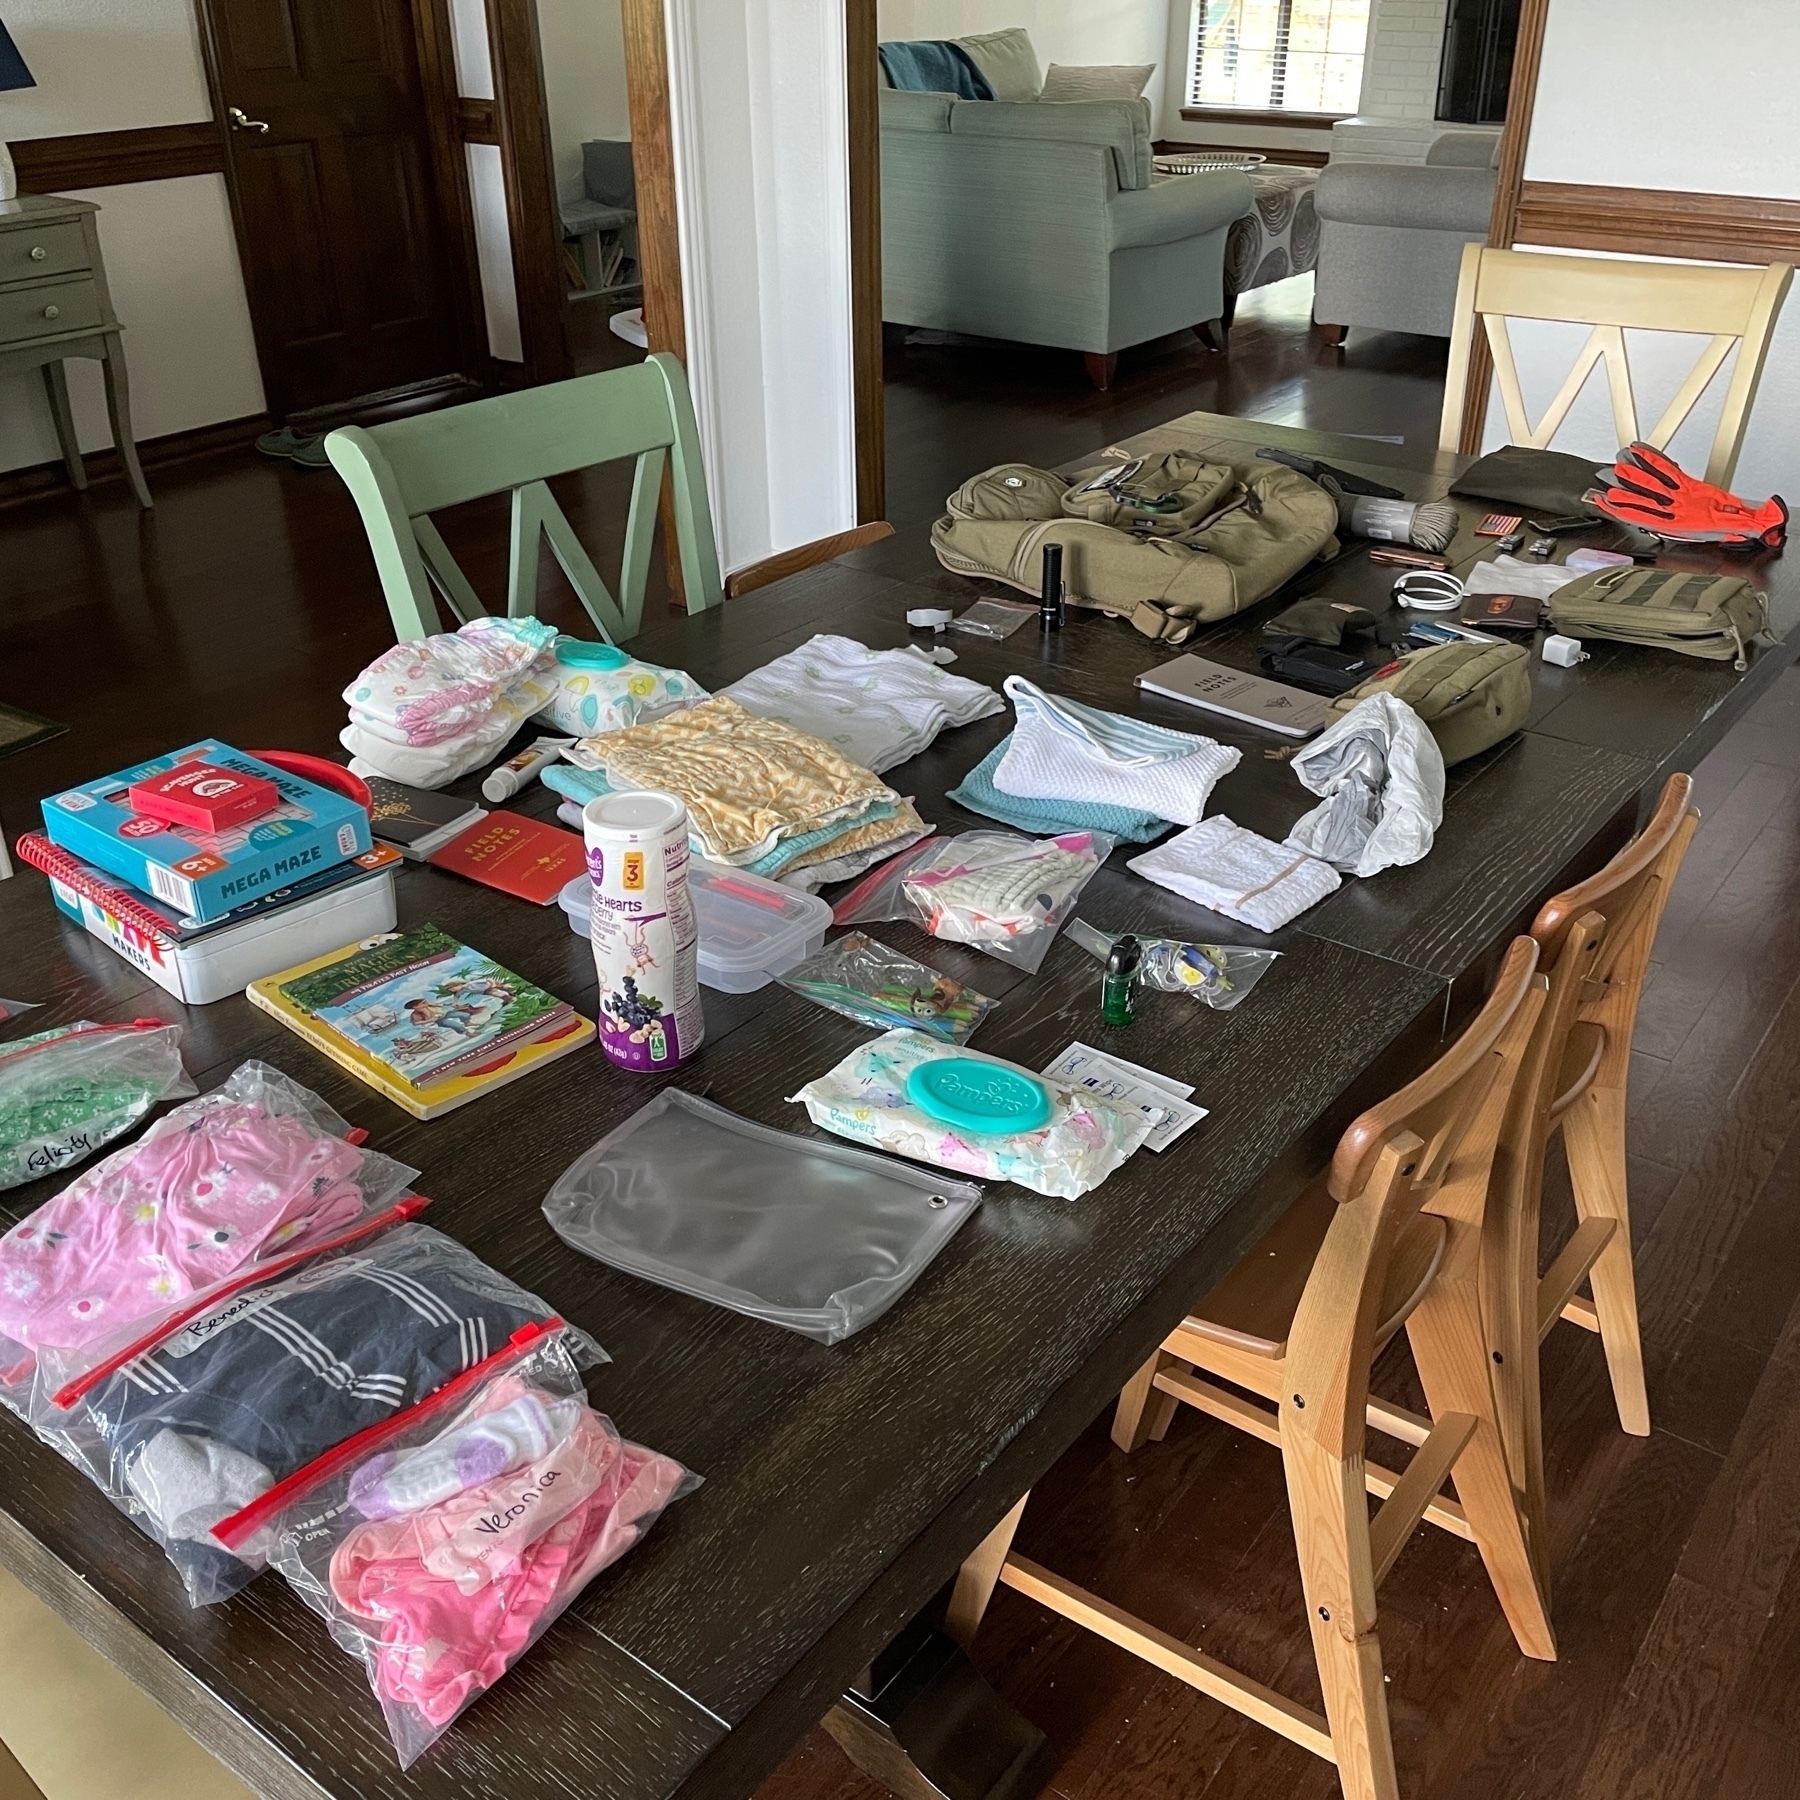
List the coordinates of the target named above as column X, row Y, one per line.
column 1469, row 695
column 1713, row 616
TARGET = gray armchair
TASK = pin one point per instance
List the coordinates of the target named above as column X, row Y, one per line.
column 1391, row 236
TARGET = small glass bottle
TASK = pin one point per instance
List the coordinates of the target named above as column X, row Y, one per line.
column 1118, row 985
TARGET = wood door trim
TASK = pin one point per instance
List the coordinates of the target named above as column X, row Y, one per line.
column 653, row 165
column 90, row 159
column 475, row 121
column 1735, row 228
column 435, row 46
column 805, row 556
column 1503, row 221
column 869, row 397
column 533, row 221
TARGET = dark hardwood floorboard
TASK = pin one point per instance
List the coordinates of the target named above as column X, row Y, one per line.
column 249, row 593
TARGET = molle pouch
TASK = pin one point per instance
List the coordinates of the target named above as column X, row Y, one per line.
column 1711, row 616
column 441, row 1543
column 1160, row 496
column 1469, row 695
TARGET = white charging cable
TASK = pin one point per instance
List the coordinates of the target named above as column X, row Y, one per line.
column 1429, row 590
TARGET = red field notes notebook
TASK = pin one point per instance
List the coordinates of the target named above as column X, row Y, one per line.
column 516, row 855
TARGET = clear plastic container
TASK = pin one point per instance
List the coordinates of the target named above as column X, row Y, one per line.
column 751, row 929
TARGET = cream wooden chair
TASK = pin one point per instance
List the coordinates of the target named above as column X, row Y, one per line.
column 1594, row 941
column 1389, row 1236
column 1728, row 306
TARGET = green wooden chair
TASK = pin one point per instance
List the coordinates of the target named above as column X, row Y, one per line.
column 402, row 472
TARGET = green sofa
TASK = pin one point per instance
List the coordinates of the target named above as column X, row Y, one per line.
column 1043, row 222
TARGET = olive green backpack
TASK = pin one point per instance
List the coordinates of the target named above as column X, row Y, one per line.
column 1469, row 695
column 1169, row 543
column 1713, row 616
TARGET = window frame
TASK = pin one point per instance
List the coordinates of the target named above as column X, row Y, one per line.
column 1251, row 115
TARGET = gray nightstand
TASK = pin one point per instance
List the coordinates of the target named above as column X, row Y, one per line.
column 53, row 304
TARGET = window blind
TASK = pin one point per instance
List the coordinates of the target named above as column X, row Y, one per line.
column 1274, row 55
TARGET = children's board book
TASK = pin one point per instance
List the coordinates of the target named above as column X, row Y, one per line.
column 208, row 874
column 426, row 1020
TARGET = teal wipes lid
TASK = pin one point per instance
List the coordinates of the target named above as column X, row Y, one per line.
column 577, row 653
column 983, row 1097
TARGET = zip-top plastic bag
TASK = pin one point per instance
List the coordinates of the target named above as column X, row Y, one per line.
column 999, row 891
column 441, row 1544
column 1217, row 975
column 220, row 1407
column 256, row 1168
column 871, row 1098
column 65, row 1093
column 864, row 980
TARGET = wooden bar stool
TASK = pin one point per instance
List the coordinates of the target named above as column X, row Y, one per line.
column 1389, row 1236
column 1594, row 941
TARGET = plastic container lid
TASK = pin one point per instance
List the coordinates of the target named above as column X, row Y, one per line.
column 751, row 929
column 979, row 1096
column 577, row 653
column 635, row 812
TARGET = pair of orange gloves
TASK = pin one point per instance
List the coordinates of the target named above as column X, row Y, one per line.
column 1645, row 488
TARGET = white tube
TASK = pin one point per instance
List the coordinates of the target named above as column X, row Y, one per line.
column 522, row 770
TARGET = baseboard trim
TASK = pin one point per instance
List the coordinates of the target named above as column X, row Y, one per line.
column 804, row 556
column 1736, row 228
column 103, row 466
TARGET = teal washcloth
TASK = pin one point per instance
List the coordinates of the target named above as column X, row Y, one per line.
column 1048, row 818
column 579, row 785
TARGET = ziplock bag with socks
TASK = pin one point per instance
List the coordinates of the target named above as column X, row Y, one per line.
column 253, row 1170
column 808, row 1235
column 439, row 1545
column 221, row 1407
column 866, row 1098
column 65, row 1093
column 999, row 891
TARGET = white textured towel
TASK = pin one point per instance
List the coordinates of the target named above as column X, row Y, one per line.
column 879, row 707
column 1233, row 871
column 1062, row 750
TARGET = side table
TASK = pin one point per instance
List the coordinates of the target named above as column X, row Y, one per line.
column 54, row 304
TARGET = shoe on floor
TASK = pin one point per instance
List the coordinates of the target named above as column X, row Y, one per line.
column 305, row 448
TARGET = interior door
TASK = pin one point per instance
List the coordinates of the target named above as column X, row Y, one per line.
column 338, row 222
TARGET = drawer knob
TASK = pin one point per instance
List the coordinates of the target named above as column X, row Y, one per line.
column 52, row 312
column 38, row 252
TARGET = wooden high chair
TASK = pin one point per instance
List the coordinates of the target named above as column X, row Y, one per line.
column 1594, row 942
column 1388, row 1236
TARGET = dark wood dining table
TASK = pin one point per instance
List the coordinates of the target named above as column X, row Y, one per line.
column 845, row 1483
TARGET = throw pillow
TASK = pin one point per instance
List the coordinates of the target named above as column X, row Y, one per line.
column 1008, row 60
column 1116, row 81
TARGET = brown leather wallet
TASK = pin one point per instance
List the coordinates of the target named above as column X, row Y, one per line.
column 1501, row 612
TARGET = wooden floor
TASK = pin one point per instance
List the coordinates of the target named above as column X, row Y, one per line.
column 245, row 603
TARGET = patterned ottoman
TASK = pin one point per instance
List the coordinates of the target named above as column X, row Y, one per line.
column 1280, row 238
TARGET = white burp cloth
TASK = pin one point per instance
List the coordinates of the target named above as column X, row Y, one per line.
column 877, row 707
column 1062, row 750
column 1232, row 871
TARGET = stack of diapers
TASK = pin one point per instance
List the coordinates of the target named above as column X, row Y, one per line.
column 1072, row 767
column 425, row 713
column 1232, row 871
column 439, row 1547
column 1066, row 1140
column 227, row 1402
column 879, row 707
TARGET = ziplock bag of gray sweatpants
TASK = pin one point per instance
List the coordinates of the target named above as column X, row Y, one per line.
column 810, row 1235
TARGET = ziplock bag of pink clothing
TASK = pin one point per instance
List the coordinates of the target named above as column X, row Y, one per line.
column 440, row 1545
column 242, row 1177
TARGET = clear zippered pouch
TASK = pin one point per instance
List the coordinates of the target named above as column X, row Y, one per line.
column 439, row 1545
column 813, row 1236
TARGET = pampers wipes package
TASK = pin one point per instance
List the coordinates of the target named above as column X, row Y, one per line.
column 207, row 873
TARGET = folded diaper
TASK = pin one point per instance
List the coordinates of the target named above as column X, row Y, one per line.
column 879, row 707
column 1062, row 750
column 1233, row 871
